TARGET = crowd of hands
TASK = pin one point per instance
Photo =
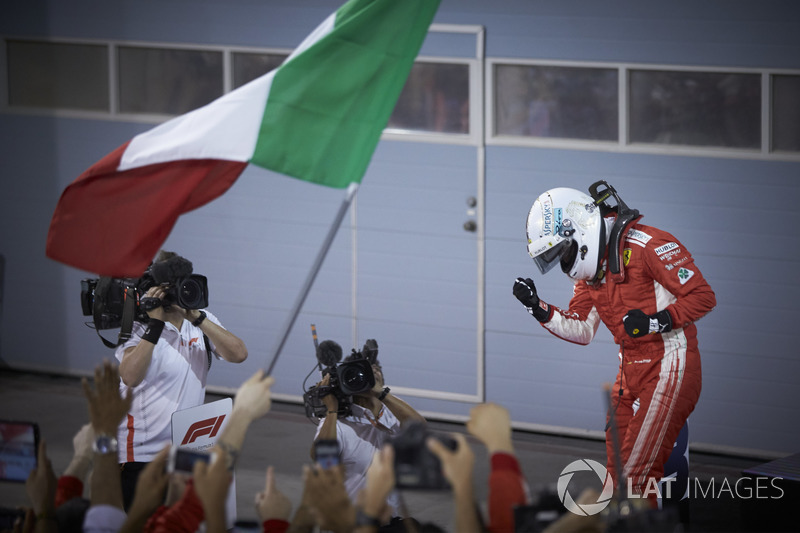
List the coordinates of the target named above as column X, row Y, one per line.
column 324, row 503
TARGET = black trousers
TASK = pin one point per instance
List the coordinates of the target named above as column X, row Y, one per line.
column 129, row 475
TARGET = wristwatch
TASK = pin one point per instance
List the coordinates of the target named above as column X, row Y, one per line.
column 199, row 320
column 105, row 444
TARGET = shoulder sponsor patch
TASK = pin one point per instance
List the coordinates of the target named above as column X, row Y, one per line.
column 668, row 256
column 638, row 237
column 666, row 248
column 684, row 274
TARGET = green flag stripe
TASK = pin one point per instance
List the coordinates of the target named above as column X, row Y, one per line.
column 328, row 105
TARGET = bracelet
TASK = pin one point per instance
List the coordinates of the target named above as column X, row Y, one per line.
column 199, row 320
column 153, row 331
column 384, row 393
column 333, row 412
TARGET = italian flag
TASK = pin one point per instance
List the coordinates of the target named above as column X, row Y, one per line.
column 318, row 117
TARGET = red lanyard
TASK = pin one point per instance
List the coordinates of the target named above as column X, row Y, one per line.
column 374, row 421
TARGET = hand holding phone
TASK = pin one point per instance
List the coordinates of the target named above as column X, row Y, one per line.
column 326, row 452
column 19, row 442
column 182, row 459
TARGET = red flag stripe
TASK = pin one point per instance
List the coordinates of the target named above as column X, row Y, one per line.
column 114, row 223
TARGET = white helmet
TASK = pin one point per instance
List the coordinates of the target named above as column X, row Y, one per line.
column 565, row 226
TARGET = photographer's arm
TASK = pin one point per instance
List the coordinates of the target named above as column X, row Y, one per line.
column 230, row 347
column 136, row 359
column 328, row 429
column 400, row 409
column 327, row 432
column 135, row 362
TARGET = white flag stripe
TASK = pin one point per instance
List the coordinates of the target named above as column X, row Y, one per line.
column 226, row 128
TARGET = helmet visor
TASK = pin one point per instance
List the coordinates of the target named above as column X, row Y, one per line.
column 550, row 257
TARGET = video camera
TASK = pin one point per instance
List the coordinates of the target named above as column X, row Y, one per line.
column 354, row 376
column 116, row 302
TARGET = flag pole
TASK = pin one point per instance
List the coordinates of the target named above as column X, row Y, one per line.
column 301, row 298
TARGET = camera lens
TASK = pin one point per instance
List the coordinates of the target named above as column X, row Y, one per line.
column 191, row 294
column 354, row 379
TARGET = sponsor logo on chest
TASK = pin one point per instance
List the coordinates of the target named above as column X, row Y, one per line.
column 666, row 248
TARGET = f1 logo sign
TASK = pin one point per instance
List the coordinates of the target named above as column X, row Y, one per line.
column 209, row 427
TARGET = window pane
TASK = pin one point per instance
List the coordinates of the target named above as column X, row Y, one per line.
column 247, row 66
column 560, row 102
column 166, row 81
column 435, row 99
column 56, row 75
column 695, row 108
column 786, row 113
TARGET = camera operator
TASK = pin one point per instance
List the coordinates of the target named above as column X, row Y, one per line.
column 377, row 416
column 165, row 364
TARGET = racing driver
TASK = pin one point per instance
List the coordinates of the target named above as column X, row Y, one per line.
column 643, row 284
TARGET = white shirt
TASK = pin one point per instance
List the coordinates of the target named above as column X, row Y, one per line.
column 360, row 436
column 175, row 380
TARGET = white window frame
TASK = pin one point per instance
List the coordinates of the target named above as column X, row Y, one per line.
column 623, row 144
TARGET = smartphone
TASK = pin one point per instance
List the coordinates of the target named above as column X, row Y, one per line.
column 326, row 452
column 19, row 442
column 183, row 459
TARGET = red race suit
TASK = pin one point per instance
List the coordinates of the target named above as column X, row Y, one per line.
column 661, row 370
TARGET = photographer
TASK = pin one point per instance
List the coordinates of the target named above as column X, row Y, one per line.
column 165, row 364
column 377, row 416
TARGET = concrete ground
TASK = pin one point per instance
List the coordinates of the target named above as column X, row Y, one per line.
column 283, row 438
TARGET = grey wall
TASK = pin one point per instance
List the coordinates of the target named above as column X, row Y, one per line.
column 416, row 284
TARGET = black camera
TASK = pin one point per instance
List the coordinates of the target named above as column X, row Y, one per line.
column 104, row 298
column 181, row 288
column 354, row 376
column 415, row 466
column 116, row 302
column 190, row 292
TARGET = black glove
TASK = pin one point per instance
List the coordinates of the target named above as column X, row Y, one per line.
column 638, row 324
column 525, row 292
